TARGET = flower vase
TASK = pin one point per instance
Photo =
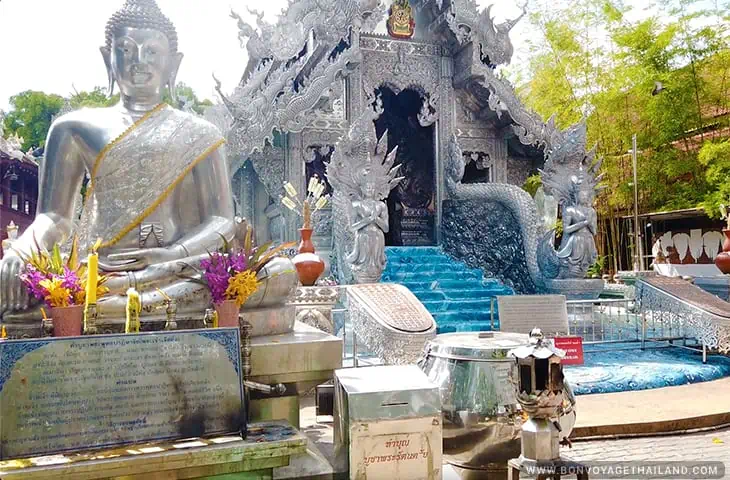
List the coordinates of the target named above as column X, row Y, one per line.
column 67, row 321
column 308, row 264
column 227, row 313
column 723, row 258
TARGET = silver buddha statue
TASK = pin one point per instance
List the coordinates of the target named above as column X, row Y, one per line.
column 159, row 194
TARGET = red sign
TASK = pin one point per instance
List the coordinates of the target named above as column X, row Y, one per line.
column 573, row 347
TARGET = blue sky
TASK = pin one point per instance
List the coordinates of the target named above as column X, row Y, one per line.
column 53, row 45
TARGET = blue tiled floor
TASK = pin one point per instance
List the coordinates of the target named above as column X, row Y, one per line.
column 622, row 370
column 457, row 296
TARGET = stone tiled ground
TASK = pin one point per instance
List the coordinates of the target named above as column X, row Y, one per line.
column 710, row 446
column 690, row 447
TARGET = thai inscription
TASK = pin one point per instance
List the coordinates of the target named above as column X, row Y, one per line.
column 403, row 449
column 70, row 394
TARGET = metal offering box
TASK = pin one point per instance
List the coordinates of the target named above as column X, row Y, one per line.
column 387, row 423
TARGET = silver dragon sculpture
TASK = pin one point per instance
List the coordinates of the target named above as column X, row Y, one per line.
column 361, row 178
column 571, row 176
column 515, row 199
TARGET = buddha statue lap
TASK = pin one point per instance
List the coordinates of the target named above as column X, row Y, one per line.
column 159, row 194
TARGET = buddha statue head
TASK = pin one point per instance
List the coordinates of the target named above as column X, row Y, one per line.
column 141, row 52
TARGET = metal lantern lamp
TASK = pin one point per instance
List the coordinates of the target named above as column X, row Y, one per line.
column 541, row 393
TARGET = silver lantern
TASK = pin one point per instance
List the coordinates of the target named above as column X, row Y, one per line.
column 542, row 394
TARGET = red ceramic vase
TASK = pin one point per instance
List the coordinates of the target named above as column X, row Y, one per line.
column 227, row 313
column 67, row 321
column 723, row 258
column 309, row 265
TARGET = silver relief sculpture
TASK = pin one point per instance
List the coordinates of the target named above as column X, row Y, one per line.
column 363, row 179
column 281, row 88
column 496, row 47
column 160, row 193
column 570, row 175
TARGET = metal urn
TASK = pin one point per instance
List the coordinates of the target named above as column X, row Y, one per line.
column 482, row 417
column 542, row 394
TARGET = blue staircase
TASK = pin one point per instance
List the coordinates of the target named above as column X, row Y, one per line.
column 458, row 297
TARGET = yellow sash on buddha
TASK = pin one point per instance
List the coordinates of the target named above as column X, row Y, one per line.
column 136, row 172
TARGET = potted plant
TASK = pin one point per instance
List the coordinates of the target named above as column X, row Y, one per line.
column 231, row 275
column 308, row 264
column 61, row 285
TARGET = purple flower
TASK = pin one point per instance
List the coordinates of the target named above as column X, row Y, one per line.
column 217, row 285
column 32, row 279
column 239, row 262
column 71, row 280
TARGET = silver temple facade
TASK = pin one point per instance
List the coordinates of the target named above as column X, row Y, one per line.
column 324, row 63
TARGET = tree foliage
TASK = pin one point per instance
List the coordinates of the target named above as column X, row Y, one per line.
column 595, row 60
column 659, row 72
column 31, row 115
column 95, row 98
column 186, row 95
column 32, row 112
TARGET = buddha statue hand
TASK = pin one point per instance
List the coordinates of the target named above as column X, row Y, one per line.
column 13, row 294
column 142, row 258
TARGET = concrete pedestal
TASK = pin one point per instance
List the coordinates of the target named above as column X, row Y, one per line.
column 269, row 446
column 300, row 360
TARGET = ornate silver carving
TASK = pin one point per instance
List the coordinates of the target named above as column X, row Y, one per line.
column 269, row 165
column 390, row 321
column 455, row 165
column 361, row 180
column 570, row 175
column 677, row 315
column 12, row 146
column 270, row 100
column 314, row 306
column 400, row 65
column 429, row 110
column 330, row 21
column 496, row 47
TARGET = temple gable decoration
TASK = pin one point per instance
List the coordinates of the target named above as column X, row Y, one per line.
column 401, row 23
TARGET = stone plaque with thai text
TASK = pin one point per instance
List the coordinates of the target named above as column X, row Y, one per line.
column 81, row 393
column 522, row 313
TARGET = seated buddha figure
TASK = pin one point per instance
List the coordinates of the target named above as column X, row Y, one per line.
column 159, row 194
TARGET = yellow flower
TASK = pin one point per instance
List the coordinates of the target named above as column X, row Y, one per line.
column 80, row 297
column 57, row 295
column 242, row 286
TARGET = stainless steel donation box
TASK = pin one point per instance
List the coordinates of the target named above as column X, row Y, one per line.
column 387, row 424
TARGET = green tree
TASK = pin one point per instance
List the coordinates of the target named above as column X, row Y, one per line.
column 186, row 94
column 31, row 115
column 592, row 61
column 716, row 157
column 95, row 98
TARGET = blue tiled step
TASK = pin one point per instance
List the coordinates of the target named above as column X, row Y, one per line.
column 466, row 294
column 453, row 284
column 458, row 297
column 472, row 326
column 430, row 276
column 457, row 305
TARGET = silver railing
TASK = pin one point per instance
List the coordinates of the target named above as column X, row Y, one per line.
column 604, row 320
column 624, row 323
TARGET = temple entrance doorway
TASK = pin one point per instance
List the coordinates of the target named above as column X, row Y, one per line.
column 411, row 205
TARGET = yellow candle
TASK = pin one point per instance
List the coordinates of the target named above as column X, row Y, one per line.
column 134, row 307
column 92, row 278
